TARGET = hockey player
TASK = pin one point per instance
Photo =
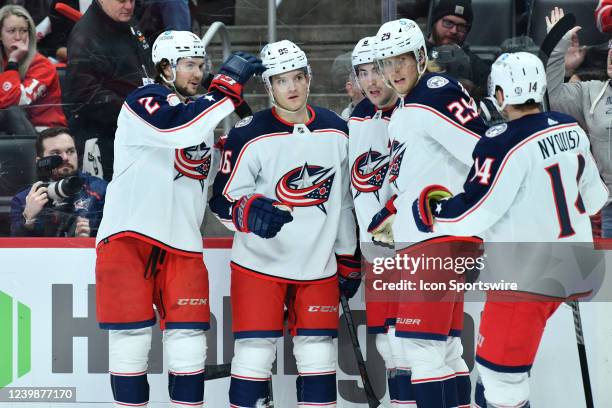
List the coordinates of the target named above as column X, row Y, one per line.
column 369, row 158
column 149, row 247
column 284, row 188
column 533, row 179
column 433, row 133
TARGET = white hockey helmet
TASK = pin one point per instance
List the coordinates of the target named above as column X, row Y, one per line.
column 521, row 76
column 280, row 57
column 174, row 45
column 400, row 37
column 363, row 53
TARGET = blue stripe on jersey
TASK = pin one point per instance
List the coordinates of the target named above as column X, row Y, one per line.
column 150, row 103
column 490, row 153
column 317, row 332
column 420, row 335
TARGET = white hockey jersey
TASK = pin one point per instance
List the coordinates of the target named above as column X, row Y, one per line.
column 433, row 134
column 369, row 158
column 304, row 166
column 529, row 194
column 163, row 163
column 532, row 180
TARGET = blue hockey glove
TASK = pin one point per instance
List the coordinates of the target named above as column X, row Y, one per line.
column 349, row 273
column 260, row 215
column 422, row 206
column 382, row 223
column 234, row 73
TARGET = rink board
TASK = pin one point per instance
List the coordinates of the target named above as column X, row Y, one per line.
column 47, row 314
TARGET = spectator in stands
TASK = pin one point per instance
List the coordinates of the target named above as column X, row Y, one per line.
column 163, row 15
column 28, row 80
column 343, row 77
column 35, row 214
column 54, row 30
column 108, row 57
column 589, row 102
column 451, row 22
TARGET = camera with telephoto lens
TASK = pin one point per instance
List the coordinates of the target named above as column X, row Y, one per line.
column 60, row 189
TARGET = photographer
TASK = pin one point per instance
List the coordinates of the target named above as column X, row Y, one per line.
column 65, row 202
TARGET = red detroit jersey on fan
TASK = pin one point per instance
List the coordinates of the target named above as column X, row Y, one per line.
column 369, row 155
column 433, row 134
column 304, row 166
column 162, row 170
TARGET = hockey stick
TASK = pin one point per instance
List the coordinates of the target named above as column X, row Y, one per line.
column 554, row 36
column 215, row 371
column 373, row 402
column 584, row 365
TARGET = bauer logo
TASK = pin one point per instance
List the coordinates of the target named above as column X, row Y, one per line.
column 15, row 339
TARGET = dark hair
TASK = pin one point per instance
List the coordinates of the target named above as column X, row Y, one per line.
column 159, row 71
column 47, row 134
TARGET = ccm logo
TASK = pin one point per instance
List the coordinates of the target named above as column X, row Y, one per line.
column 192, row 302
column 408, row 321
column 323, row 309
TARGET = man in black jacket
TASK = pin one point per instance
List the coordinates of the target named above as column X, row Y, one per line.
column 108, row 57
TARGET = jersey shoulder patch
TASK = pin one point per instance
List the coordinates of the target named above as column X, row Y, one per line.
column 436, row 82
column 244, row 122
column 497, row 130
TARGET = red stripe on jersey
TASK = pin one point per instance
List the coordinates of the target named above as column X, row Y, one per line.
column 191, row 122
column 432, row 110
column 501, row 168
column 432, row 379
column 244, row 148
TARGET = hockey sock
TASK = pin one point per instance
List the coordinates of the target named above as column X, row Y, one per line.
column 247, row 392
column 481, row 402
column 435, row 393
column 400, row 388
column 316, row 389
column 130, row 389
column 186, row 389
column 464, row 389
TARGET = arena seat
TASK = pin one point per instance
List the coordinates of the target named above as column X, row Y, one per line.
column 17, row 171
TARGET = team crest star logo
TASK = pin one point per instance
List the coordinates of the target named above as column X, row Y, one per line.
column 397, row 155
column 368, row 172
column 438, row 208
column 209, row 98
column 306, row 186
column 194, row 163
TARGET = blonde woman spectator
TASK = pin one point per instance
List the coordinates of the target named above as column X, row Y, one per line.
column 27, row 79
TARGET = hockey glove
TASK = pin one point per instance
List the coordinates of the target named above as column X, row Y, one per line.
column 422, row 207
column 382, row 223
column 234, row 73
column 349, row 273
column 260, row 215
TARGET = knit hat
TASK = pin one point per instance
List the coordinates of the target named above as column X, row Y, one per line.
column 459, row 8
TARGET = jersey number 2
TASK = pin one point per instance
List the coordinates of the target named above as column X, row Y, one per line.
column 565, row 222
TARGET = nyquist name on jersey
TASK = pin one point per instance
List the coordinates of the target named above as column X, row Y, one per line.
column 559, row 142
